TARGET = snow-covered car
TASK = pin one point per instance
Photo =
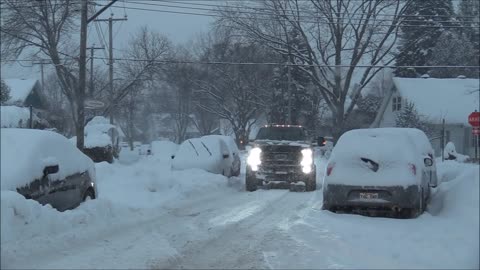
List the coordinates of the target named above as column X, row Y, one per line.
column 164, row 150
column 380, row 170
column 46, row 167
column 233, row 152
column 210, row 153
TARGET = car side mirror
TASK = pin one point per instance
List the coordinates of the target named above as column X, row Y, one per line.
column 225, row 156
column 428, row 162
column 50, row 170
column 321, row 141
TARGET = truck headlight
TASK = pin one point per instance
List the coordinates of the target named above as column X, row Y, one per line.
column 253, row 159
column 307, row 160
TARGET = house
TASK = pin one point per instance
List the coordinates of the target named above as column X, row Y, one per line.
column 162, row 126
column 436, row 100
column 26, row 93
column 19, row 117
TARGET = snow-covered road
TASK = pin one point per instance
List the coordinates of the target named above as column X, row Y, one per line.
column 149, row 217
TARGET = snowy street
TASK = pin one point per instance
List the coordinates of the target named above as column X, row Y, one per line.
column 149, row 217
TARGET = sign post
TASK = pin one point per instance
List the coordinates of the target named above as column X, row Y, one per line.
column 474, row 121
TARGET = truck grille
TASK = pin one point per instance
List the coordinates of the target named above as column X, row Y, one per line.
column 281, row 155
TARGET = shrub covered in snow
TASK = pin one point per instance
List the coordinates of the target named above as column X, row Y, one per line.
column 450, row 153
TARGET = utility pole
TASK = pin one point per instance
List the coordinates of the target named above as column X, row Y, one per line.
column 41, row 63
column 110, row 58
column 92, row 54
column 82, row 64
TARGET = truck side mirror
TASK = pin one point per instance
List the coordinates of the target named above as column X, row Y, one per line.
column 321, row 141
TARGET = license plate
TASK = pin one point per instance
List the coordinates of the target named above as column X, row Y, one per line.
column 280, row 172
column 281, row 156
column 368, row 195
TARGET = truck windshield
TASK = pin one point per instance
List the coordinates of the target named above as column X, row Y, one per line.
column 281, row 134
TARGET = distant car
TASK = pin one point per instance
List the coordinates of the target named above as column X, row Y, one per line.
column 210, row 153
column 378, row 170
column 46, row 167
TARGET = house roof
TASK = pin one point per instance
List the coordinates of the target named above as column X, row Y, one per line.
column 19, row 89
column 451, row 99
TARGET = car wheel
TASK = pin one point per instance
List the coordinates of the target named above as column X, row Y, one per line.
column 89, row 195
column 250, row 182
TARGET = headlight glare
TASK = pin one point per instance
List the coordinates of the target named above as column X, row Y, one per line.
column 254, row 158
column 307, row 159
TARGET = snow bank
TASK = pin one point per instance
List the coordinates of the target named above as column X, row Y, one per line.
column 164, row 150
column 128, row 194
column 451, row 151
column 446, row 239
column 26, row 152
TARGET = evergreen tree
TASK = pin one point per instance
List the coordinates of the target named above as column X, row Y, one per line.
column 299, row 95
column 409, row 118
column 469, row 17
column 4, row 92
column 417, row 43
column 453, row 49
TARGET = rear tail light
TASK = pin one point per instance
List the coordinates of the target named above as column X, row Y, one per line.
column 330, row 169
column 413, row 168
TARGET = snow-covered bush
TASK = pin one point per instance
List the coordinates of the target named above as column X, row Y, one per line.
column 450, row 153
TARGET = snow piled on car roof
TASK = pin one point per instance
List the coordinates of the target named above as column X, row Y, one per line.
column 26, row 152
column 357, row 150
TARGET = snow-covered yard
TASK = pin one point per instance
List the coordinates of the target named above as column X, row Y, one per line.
column 148, row 216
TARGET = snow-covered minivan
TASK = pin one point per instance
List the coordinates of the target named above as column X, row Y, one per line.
column 378, row 170
column 46, row 167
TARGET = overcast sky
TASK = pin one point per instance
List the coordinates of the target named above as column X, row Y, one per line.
column 180, row 28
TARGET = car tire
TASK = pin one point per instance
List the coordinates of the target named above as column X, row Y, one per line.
column 89, row 195
column 311, row 183
column 250, row 182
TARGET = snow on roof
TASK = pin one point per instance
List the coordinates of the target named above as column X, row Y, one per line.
column 26, row 152
column 13, row 116
column 452, row 99
column 20, row 89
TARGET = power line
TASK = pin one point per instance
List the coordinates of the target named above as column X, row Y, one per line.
column 256, row 63
column 242, row 10
column 269, row 19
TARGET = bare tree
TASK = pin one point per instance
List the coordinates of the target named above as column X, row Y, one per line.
column 44, row 28
column 345, row 41
column 141, row 64
column 237, row 93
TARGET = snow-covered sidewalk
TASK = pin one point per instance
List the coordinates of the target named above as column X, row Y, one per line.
column 147, row 216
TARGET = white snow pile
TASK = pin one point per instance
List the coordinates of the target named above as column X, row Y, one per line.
column 13, row 116
column 127, row 194
column 26, row 152
column 97, row 132
column 164, row 150
column 393, row 153
column 444, row 237
column 450, row 152
column 204, row 153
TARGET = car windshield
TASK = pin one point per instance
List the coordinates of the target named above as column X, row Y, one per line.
column 281, row 134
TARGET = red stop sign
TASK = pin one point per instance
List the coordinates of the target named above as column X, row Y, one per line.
column 474, row 119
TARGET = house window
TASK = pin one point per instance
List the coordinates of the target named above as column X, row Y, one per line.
column 397, row 104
